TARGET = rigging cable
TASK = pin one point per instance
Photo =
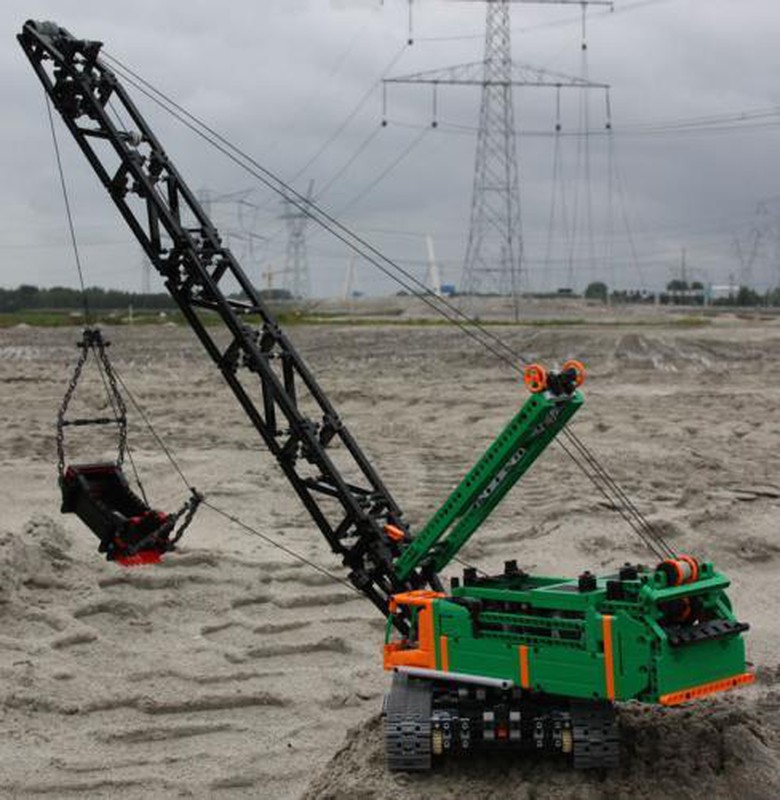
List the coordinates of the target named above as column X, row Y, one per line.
column 120, row 412
column 117, row 411
column 338, row 230
column 457, row 317
column 231, row 517
column 154, row 433
column 114, row 400
column 493, row 343
column 279, row 546
column 69, row 214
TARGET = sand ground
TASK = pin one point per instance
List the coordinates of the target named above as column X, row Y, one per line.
column 232, row 671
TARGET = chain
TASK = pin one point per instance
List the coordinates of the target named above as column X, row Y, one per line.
column 92, row 339
column 63, row 408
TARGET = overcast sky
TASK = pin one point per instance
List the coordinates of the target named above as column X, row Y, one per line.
column 289, row 80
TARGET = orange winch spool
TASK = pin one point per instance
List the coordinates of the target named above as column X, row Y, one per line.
column 535, row 378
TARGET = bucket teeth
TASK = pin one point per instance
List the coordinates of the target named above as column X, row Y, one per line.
column 140, row 559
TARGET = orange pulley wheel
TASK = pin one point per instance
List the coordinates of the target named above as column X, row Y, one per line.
column 535, row 378
column 579, row 369
column 394, row 532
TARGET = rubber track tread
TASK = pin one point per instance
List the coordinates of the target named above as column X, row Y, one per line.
column 596, row 736
column 408, row 725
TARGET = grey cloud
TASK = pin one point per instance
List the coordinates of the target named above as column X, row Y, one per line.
column 279, row 78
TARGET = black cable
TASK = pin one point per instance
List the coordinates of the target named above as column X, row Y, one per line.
column 638, row 529
column 117, row 414
column 122, row 125
column 303, row 204
column 66, row 198
column 355, row 242
column 154, row 433
column 283, row 548
column 312, row 211
column 642, row 523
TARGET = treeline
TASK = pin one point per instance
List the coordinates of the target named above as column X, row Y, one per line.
column 681, row 293
column 28, row 298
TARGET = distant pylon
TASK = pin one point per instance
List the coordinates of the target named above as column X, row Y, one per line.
column 295, row 277
column 494, row 251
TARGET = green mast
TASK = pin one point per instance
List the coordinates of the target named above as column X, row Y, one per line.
column 522, row 441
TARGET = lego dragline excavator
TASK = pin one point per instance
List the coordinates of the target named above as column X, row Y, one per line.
column 508, row 662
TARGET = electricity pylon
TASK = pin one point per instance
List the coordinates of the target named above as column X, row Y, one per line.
column 295, row 277
column 494, row 253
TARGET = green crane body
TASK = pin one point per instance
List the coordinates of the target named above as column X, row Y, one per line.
column 507, row 661
column 658, row 635
column 546, row 635
column 506, row 460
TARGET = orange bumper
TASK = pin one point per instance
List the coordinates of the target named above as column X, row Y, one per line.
column 704, row 689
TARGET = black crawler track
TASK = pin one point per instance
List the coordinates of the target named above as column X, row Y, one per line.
column 425, row 719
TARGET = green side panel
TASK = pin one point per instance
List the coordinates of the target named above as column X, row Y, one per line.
column 691, row 665
column 554, row 667
column 491, row 659
column 496, row 492
column 520, row 443
column 572, row 673
column 632, row 648
column 563, row 630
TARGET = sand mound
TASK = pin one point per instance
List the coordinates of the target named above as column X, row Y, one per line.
column 723, row 748
column 34, row 558
column 231, row 671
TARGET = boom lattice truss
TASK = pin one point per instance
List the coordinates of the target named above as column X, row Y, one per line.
column 319, row 456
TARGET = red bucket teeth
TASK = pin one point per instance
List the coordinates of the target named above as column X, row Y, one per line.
column 140, row 559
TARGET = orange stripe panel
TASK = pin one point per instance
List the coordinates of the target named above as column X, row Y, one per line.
column 695, row 692
column 525, row 675
column 444, row 652
column 609, row 658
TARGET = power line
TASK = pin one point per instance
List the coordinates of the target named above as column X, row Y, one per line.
column 561, row 23
column 384, row 173
column 340, row 129
column 349, row 162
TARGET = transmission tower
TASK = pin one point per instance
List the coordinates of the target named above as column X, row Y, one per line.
column 295, row 277
column 494, row 253
column 495, row 246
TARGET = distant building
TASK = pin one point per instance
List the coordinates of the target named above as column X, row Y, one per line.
column 723, row 292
